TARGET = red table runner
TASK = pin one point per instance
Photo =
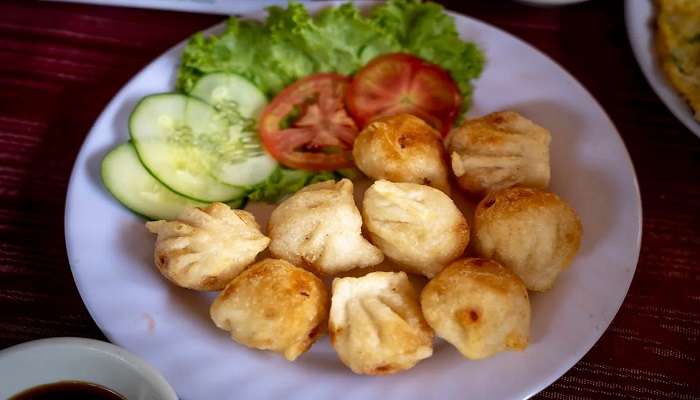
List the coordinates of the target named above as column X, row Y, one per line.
column 60, row 64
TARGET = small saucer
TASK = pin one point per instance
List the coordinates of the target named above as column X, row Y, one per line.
column 76, row 359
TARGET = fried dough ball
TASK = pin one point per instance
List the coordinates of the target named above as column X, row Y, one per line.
column 530, row 231
column 416, row 226
column 499, row 150
column 376, row 325
column 478, row 306
column 203, row 249
column 321, row 228
column 275, row 306
column 402, row 148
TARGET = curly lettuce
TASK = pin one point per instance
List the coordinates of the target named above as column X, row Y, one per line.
column 425, row 30
column 284, row 181
column 291, row 44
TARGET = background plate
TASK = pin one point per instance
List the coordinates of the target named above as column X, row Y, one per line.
column 111, row 256
column 639, row 18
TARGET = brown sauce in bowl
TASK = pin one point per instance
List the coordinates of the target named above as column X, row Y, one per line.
column 73, row 390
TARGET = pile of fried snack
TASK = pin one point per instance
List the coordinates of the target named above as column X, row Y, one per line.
column 523, row 236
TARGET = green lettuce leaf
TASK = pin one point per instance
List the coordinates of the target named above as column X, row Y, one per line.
column 292, row 44
column 425, row 30
column 245, row 48
column 285, row 181
column 336, row 39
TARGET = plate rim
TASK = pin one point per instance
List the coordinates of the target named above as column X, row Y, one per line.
column 566, row 363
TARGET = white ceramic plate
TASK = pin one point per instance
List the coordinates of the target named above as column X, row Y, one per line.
column 640, row 20
column 111, row 256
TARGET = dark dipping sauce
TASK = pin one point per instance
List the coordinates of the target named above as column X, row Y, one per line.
column 68, row 390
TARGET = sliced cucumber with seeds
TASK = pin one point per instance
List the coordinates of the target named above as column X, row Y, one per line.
column 248, row 172
column 183, row 141
column 204, row 147
column 241, row 103
column 131, row 184
column 230, row 91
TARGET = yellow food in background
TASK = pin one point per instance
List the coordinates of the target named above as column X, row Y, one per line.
column 678, row 44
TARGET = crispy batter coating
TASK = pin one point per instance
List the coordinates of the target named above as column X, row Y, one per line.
column 402, row 148
column 478, row 306
column 499, row 150
column 376, row 325
column 530, row 231
column 275, row 306
column 416, row 226
column 203, row 249
column 320, row 227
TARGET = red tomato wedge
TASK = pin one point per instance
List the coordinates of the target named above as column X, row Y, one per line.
column 306, row 125
column 403, row 83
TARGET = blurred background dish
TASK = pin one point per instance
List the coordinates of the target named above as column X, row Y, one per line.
column 640, row 18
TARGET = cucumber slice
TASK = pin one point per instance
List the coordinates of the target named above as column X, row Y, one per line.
column 183, row 141
column 249, row 172
column 230, row 92
column 241, row 103
column 130, row 183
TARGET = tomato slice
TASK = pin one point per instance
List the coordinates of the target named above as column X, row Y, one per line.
column 306, row 125
column 403, row 83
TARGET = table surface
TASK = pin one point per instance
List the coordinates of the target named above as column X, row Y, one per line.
column 60, row 64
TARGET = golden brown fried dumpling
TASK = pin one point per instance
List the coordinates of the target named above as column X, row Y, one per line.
column 499, row 150
column 203, row 249
column 320, row 227
column 530, row 231
column 479, row 306
column 376, row 325
column 275, row 306
column 416, row 226
column 402, row 148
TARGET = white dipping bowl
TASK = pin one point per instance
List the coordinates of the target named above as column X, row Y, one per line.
column 75, row 359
